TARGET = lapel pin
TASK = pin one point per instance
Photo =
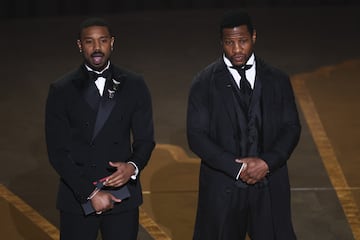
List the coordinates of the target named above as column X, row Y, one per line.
column 115, row 84
column 111, row 93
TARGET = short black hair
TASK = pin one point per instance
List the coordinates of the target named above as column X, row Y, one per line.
column 94, row 22
column 236, row 18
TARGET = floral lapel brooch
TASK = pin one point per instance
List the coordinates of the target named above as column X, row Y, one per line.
column 115, row 87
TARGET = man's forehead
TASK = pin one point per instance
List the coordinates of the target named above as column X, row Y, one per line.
column 236, row 31
column 95, row 31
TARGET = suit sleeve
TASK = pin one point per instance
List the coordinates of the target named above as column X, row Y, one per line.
column 199, row 134
column 58, row 139
column 142, row 127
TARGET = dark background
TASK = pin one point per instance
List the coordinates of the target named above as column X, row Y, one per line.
column 34, row 8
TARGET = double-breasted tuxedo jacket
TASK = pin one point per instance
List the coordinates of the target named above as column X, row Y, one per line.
column 215, row 136
column 83, row 137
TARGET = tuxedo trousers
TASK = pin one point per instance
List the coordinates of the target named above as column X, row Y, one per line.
column 119, row 226
column 249, row 212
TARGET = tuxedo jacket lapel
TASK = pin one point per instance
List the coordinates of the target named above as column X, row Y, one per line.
column 87, row 88
column 108, row 102
column 105, row 108
column 92, row 96
column 101, row 106
column 225, row 84
column 231, row 96
column 257, row 91
column 265, row 85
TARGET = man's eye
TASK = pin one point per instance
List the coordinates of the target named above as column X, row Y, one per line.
column 243, row 41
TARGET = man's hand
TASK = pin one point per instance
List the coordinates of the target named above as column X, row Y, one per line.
column 103, row 201
column 255, row 170
column 122, row 174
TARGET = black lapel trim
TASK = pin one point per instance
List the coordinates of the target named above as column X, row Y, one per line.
column 87, row 88
column 105, row 108
column 107, row 103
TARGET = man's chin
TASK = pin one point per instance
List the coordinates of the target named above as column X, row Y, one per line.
column 237, row 62
column 97, row 67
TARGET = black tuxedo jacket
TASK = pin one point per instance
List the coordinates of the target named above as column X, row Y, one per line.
column 212, row 134
column 79, row 153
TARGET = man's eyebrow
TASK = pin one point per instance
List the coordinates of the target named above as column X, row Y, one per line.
column 104, row 36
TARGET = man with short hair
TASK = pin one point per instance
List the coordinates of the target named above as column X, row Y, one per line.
column 243, row 123
column 99, row 134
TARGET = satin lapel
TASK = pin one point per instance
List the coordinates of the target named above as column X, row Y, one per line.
column 107, row 102
column 87, row 88
column 105, row 108
column 224, row 84
column 92, row 96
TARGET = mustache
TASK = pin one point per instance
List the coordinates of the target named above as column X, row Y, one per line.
column 97, row 54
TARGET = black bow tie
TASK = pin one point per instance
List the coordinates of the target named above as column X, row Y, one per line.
column 94, row 76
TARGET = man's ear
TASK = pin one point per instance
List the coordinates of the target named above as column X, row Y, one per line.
column 254, row 36
column 78, row 42
column 112, row 43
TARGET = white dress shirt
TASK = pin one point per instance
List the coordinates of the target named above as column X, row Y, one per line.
column 100, row 82
column 250, row 73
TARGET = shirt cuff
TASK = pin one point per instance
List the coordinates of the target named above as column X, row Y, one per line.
column 242, row 167
column 133, row 177
column 96, row 190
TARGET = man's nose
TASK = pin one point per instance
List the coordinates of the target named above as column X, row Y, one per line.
column 237, row 48
column 97, row 46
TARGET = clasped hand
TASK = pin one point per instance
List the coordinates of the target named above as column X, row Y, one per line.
column 103, row 200
column 254, row 170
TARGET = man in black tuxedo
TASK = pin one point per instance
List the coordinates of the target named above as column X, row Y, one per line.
column 99, row 128
column 243, row 123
